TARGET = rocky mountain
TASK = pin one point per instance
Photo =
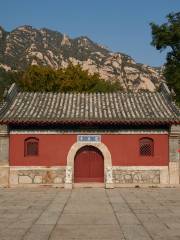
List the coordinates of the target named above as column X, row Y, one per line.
column 26, row 45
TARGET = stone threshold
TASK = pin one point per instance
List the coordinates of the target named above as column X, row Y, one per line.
column 143, row 185
column 26, row 185
column 89, row 185
column 94, row 185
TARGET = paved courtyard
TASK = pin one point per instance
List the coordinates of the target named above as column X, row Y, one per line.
column 90, row 213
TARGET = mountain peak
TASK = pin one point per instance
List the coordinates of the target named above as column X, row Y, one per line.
column 26, row 46
column 2, row 29
column 24, row 27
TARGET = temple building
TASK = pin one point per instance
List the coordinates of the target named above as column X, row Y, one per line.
column 89, row 139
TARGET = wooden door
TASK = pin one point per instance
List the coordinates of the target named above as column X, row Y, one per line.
column 89, row 165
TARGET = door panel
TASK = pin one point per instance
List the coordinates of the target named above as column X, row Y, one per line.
column 89, row 165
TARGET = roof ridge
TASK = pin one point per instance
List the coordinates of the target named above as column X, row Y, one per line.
column 88, row 93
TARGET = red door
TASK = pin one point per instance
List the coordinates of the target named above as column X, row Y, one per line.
column 89, row 165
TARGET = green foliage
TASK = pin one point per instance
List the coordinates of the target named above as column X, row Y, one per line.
column 167, row 36
column 70, row 79
column 37, row 78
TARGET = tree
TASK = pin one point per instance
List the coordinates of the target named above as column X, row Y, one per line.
column 70, row 79
column 38, row 78
column 167, row 36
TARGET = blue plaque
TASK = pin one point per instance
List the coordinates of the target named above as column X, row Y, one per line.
column 88, row 138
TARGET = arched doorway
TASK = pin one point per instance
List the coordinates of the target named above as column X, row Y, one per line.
column 88, row 165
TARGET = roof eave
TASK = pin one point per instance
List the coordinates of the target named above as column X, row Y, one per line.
column 90, row 122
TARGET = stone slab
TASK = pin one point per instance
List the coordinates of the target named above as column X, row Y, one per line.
column 127, row 219
column 64, row 232
column 49, row 217
column 25, row 180
column 88, row 219
column 138, row 232
column 4, row 176
column 39, row 232
column 133, row 213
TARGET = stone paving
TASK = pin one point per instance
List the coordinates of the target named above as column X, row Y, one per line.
column 90, row 213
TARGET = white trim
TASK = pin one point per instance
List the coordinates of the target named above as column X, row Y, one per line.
column 139, row 168
column 85, row 132
column 36, row 168
column 3, row 134
column 3, row 165
column 146, row 185
column 64, row 167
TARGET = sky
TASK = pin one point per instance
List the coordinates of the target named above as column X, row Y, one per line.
column 120, row 25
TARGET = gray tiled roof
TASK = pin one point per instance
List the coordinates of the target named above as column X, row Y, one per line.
column 115, row 107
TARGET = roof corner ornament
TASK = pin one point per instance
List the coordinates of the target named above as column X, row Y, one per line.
column 173, row 94
column 5, row 93
column 11, row 93
column 8, row 97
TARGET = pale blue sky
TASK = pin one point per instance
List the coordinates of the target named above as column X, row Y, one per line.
column 121, row 25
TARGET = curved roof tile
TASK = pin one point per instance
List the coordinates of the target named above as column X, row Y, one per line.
column 117, row 107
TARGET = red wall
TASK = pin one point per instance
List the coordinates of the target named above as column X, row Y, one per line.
column 53, row 150
column 125, row 150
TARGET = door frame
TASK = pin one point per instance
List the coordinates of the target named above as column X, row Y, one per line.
column 108, row 179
